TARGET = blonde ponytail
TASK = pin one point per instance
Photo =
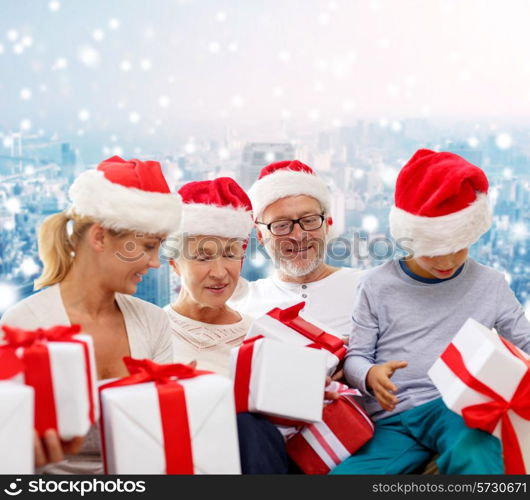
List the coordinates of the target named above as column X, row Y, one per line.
column 57, row 247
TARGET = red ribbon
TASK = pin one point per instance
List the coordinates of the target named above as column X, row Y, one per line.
column 37, row 372
column 486, row 416
column 173, row 411
column 243, row 372
column 10, row 363
column 289, row 317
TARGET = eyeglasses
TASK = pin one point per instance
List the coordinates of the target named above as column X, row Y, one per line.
column 285, row 227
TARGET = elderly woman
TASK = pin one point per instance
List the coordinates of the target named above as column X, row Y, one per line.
column 94, row 255
column 216, row 224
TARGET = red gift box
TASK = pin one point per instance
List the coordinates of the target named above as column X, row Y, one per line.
column 320, row 447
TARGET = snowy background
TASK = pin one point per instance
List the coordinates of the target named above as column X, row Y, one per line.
column 354, row 87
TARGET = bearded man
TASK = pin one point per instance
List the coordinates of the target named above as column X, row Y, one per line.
column 292, row 215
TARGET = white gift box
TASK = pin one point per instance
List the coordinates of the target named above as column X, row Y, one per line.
column 286, row 380
column 271, row 327
column 133, row 436
column 490, row 361
column 16, row 428
column 70, row 379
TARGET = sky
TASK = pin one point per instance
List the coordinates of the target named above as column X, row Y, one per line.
column 155, row 71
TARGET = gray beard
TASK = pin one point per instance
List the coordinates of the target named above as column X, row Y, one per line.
column 289, row 268
column 296, row 271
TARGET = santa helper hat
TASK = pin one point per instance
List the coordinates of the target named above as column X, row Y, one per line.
column 127, row 195
column 288, row 178
column 218, row 207
column 441, row 204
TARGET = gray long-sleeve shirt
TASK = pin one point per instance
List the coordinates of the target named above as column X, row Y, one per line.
column 399, row 318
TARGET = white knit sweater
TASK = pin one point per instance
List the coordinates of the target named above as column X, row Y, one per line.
column 208, row 344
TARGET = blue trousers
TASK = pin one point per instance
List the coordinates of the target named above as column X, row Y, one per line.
column 261, row 446
column 405, row 442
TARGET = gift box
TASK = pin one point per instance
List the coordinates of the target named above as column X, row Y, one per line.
column 169, row 419
column 59, row 365
column 486, row 379
column 286, row 325
column 345, row 427
column 16, row 418
column 279, row 379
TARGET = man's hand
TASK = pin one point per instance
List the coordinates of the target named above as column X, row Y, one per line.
column 378, row 379
column 330, row 395
column 51, row 449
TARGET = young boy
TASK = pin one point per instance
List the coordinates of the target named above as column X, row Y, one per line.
column 407, row 312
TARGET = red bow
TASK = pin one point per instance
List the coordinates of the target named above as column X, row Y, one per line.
column 486, row 416
column 17, row 337
column 322, row 339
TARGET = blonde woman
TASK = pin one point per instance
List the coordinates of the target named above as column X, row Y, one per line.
column 94, row 255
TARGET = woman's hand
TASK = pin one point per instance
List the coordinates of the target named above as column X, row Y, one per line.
column 378, row 380
column 50, row 449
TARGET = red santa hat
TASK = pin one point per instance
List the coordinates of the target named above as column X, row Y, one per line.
column 219, row 207
column 127, row 195
column 441, row 204
column 287, row 178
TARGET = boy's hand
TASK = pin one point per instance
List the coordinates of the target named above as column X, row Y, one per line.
column 378, row 379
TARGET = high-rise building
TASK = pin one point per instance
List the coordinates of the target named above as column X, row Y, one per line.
column 155, row 285
column 257, row 155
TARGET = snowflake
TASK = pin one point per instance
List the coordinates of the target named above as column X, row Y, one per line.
column 98, row 35
column 88, row 56
column 8, row 295
column 473, row 142
column 221, row 17
column 12, row 35
column 25, row 124
column 1, row 49
column 284, row 56
column 504, row 141
column 233, row 47
column 13, row 205
column 396, row 126
column 163, row 101
column 84, row 115
column 145, row 64
column 60, row 63
column 238, row 101
column 27, row 41
column 29, row 267
column 125, row 65
column 214, row 47
column 370, row 223
column 134, row 117
column 18, row 49
column 114, row 24
column 54, row 6
column 25, row 94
